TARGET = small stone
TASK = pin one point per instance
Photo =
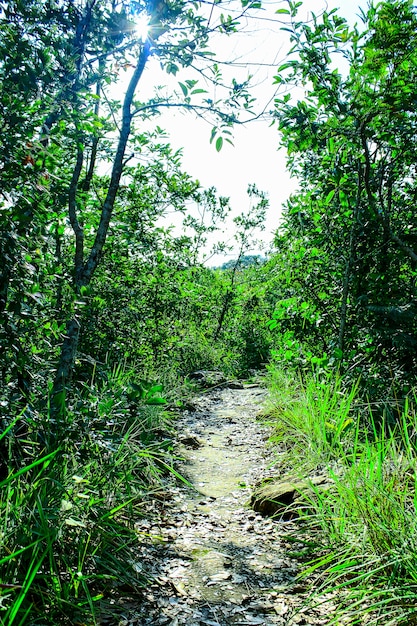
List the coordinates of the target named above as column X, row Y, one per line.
column 191, row 441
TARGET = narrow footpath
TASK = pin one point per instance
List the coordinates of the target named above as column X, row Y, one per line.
column 215, row 561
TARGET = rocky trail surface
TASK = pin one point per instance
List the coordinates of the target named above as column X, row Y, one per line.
column 215, row 562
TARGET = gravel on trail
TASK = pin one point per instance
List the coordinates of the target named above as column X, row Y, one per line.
column 213, row 560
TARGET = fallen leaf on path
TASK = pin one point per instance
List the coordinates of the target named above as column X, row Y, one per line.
column 281, row 608
column 179, row 588
column 218, row 578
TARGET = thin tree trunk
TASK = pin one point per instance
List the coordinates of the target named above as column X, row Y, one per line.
column 226, row 303
column 64, row 370
column 85, row 272
column 228, row 297
column 345, row 291
column 350, row 262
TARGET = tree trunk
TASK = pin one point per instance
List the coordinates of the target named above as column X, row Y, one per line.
column 85, row 271
column 345, row 294
column 66, row 363
column 350, row 262
column 226, row 303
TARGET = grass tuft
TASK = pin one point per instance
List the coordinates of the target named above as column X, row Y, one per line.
column 367, row 520
column 68, row 513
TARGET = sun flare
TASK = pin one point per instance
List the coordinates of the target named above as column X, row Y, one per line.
column 142, row 26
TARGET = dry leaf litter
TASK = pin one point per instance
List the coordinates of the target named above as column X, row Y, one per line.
column 214, row 561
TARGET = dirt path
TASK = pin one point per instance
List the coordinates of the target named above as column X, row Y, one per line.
column 216, row 562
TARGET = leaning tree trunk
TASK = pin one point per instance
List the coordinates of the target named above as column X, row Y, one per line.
column 84, row 271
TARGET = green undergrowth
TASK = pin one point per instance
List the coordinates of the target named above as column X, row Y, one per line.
column 69, row 503
column 366, row 522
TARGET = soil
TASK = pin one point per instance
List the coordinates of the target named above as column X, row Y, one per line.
column 215, row 562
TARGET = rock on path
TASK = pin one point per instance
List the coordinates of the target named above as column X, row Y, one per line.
column 216, row 562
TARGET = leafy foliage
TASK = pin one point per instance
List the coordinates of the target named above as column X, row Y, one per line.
column 348, row 288
column 344, row 274
column 104, row 306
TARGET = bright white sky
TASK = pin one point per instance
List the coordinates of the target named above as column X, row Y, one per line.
column 255, row 157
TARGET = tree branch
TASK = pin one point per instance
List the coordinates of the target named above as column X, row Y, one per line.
column 72, row 212
column 127, row 115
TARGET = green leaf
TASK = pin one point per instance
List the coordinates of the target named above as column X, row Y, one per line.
column 155, row 401
column 338, row 353
column 156, row 389
column 171, row 68
column 184, row 89
column 45, row 459
column 329, row 197
column 283, row 12
column 219, row 143
column 285, row 66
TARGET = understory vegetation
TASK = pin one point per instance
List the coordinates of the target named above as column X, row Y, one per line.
column 360, row 528
column 345, row 317
column 108, row 301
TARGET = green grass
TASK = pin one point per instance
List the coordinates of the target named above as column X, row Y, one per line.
column 68, row 507
column 367, row 520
